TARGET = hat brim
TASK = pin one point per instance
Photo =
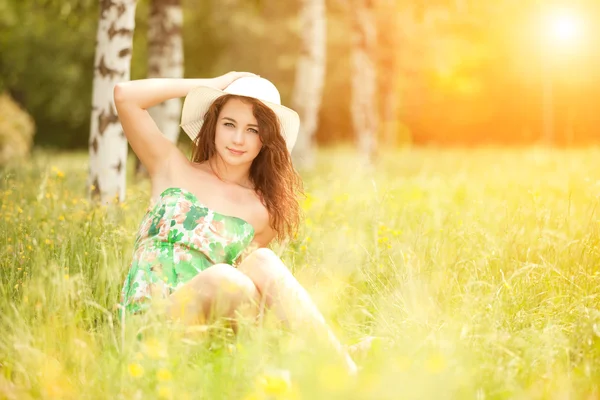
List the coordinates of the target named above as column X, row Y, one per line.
column 200, row 99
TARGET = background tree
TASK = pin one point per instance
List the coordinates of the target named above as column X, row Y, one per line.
column 108, row 145
column 310, row 75
column 365, row 116
column 165, row 60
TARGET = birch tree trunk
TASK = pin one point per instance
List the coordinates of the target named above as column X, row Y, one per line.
column 165, row 60
column 108, row 145
column 364, row 79
column 388, row 83
column 310, row 73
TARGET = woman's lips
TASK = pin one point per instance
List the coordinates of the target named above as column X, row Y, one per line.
column 235, row 152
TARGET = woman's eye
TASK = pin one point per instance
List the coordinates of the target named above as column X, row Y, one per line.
column 253, row 130
column 228, row 124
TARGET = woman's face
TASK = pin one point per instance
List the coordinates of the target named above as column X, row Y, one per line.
column 237, row 137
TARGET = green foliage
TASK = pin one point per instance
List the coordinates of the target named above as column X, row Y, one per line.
column 477, row 269
column 48, row 51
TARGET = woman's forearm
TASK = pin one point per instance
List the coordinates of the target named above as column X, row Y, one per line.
column 146, row 93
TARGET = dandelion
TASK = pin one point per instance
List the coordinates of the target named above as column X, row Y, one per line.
column 154, row 349
column 165, row 392
column 61, row 218
column 135, row 370
column 163, row 375
column 275, row 383
column 436, row 364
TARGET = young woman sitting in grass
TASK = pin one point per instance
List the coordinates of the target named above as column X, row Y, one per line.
column 219, row 209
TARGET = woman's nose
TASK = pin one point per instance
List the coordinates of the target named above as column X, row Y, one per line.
column 238, row 136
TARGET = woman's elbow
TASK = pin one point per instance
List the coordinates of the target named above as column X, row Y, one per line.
column 120, row 92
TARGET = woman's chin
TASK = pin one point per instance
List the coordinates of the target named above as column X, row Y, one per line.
column 235, row 160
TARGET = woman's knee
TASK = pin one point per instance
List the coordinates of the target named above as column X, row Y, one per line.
column 265, row 268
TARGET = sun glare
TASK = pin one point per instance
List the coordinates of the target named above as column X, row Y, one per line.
column 565, row 26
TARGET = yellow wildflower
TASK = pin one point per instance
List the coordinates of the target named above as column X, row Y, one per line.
column 275, row 383
column 163, row 375
column 436, row 363
column 165, row 392
column 154, row 349
column 135, row 370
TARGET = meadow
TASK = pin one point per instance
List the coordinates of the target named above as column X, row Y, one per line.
column 477, row 270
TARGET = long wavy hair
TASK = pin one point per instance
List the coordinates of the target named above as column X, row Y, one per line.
column 274, row 178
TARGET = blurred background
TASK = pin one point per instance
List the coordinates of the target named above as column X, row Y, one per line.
column 448, row 73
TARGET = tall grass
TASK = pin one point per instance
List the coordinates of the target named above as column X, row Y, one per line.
column 478, row 269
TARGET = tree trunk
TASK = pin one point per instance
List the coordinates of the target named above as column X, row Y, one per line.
column 310, row 75
column 364, row 79
column 388, row 83
column 165, row 60
column 108, row 145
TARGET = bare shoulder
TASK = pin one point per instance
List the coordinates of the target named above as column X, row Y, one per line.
column 264, row 233
column 178, row 171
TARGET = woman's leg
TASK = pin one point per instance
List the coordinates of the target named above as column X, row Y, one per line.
column 284, row 295
column 218, row 291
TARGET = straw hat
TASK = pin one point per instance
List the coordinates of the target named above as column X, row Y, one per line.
column 199, row 100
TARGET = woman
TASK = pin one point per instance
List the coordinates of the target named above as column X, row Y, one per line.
column 235, row 196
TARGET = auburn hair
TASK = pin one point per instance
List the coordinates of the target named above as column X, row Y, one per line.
column 272, row 173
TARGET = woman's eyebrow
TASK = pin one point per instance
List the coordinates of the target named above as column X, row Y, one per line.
column 233, row 120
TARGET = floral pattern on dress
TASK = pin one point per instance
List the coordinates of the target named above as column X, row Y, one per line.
column 178, row 238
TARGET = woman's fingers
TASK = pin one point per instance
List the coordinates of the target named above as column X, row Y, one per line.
column 223, row 81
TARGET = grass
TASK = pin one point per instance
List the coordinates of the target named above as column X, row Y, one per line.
column 478, row 269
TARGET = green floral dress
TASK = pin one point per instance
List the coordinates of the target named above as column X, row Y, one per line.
column 178, row 238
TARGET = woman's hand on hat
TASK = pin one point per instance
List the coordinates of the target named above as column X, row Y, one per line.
column 221, row 82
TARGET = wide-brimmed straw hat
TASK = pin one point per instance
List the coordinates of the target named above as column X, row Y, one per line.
column 199, row 100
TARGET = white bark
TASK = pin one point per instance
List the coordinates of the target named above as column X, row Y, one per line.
column 391, row 49
column 364, row 80
column 108, row 145
column 310, row 75
column 165, row 60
